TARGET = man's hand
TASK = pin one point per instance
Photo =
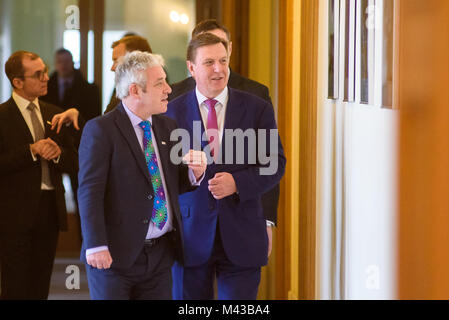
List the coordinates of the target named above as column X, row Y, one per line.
column 46, row 148
column 67, row 117
column 197, row 161
column 222, row 185
column 270, row 240
column 50, row 150
column 100, row 260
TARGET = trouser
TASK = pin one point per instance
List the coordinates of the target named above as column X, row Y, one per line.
column 27, row 255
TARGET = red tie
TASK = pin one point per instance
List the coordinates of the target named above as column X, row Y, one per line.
column 212, row 124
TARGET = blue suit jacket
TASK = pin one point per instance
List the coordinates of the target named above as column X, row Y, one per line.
column 115, row 191
column 240, row 217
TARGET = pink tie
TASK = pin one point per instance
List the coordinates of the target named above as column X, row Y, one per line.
column 212, row 124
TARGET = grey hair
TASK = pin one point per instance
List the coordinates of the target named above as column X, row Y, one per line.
column 131, row 70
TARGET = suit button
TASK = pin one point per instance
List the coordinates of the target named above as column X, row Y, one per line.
column 211, row 208
column 150, row 197
column 145, row 221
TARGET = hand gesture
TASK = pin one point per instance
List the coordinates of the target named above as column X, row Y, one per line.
column 222, row 185
column 67, row 117
column 197, row 162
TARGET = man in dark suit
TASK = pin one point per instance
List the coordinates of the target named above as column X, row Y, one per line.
column 224, row 227
column 129, row 187
column 32, row 158
column 270, row 200
column 67, row 88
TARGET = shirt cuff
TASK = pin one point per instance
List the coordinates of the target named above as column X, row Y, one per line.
column 56, row 161
column 95, row 250
column 32, row 155
column 192, row 178
column 270, row 223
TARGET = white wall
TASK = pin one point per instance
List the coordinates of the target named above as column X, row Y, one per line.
column 356, row 187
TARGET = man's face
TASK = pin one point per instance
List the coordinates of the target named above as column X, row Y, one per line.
column 210, row 69
column 155, row 99
column 118, row 52
column 34, row 82
column 64, row 65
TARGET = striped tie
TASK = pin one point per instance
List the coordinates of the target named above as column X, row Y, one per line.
column 39, row 134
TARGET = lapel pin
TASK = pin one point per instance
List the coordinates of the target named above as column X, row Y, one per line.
column 164, row 143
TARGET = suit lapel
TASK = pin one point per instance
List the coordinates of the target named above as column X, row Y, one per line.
column 124, row 124
column 46, row 116
column 193, row 116
column 235, row 111
column 161, row 138
column 20, row 123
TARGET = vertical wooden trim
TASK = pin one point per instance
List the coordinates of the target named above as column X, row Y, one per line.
column 308, row 151
column 283, row 247
column 84, row 6
column 235, row 16
column 423, row 268
column 98, row 27
column 298, row 67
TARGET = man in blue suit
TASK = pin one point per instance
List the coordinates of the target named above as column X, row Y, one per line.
column 223, row 223
column 129, row 187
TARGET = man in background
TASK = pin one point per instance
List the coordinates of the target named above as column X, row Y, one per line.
column 67, row 89
column 32, row 160
column 119, row 49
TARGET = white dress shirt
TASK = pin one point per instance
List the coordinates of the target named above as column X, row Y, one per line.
column 23, row 104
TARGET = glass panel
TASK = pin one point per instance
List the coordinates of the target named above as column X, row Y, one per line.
column 332, row 44
column 370, row 20
column 387, row 71
column 350, row 42
column 165, row 24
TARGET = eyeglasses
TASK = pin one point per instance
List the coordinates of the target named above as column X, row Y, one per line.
column 38, row 74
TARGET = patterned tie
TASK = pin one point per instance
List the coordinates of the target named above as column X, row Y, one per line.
column 159, row 215
column 39, row 134
column 212, row 124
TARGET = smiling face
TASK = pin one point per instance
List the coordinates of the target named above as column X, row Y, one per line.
column 210, row 69
column 155, row 99
column 34, row 81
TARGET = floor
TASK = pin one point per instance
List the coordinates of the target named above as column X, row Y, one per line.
column 68, row 276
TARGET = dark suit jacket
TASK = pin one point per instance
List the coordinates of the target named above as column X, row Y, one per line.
column 240, row 217
column 81, row 95
column 20, row 176
column 113, row 102
column 270, row 200
column 115, row 192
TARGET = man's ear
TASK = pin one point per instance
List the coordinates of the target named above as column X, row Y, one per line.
column 190, row 67
column 230, row 48
column 17, row 83
column 134, row 90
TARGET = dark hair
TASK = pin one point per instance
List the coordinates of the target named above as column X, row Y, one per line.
column 209, row 25
column 63, row 51
column 134, row 43
column 14, row 66
column 202, row 40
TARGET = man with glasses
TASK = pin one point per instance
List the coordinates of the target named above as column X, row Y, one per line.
column 32, row 159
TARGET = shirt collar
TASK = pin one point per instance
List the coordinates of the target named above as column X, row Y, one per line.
column 23, row 103
column 135, row 120
column 221, row 98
